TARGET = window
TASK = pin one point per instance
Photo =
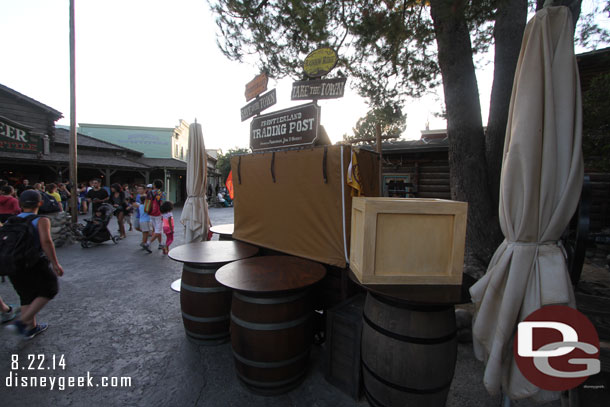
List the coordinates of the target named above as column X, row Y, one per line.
column 398, row 186
column 182, row 153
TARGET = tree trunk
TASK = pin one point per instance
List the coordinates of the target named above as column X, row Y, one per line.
column 508, row 33
column 468, row 169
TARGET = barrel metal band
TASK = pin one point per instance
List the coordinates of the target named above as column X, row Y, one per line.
column 409, row 339
column 405, row 389
column 278, row 383
column 202, row 336
column 205, row 319
column 203, row 289
column 199, row 270
column 269, row 326
column 278, row 300
column 271, row 365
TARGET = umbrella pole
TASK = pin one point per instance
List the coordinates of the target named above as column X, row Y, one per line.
column 506, row 401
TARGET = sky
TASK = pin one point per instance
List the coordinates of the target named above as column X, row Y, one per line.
column 154, row 62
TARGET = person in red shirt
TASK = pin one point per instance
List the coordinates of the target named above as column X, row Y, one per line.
column 9, row 205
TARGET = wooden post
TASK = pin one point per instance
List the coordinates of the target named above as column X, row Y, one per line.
column 73, row 141
column 379, row 150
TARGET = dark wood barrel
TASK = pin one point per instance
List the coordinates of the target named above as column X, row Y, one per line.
column 271, row 339
column 408, row 352
column 271, row 319
column 206, row 304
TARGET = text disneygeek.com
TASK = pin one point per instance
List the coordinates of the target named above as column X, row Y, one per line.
column 22, row 366
column 15, row 380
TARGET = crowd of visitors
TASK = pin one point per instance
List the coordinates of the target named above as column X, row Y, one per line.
column 20, row 204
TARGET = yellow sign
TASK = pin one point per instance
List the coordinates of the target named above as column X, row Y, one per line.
column 320, row 62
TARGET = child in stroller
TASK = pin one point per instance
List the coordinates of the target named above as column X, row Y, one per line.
column 96, row 230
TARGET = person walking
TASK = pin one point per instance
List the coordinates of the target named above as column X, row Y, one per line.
column 156, row 198
column 7, row 312
column 82, row 199
column 168, row 224
column 128, row 209
column 117, row 200
column 52, row 190
column 145, row 226
column 37, row 285
column 97, row 195
column 9, row 205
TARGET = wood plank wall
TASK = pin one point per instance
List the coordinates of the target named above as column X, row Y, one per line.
column 22, row 112
column 430, row 174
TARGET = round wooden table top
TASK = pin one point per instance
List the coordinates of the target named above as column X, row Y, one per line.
column 226, row 229
column 270, row 274
column 212, row 252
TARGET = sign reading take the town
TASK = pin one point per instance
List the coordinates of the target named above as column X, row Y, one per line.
column 297, row 126
column 258, row 105
column 318, row 89
column 19, row 140
column 320, row 62
column 256, row 86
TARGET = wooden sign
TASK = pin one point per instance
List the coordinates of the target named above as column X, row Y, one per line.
column 258, row 105
column 320, row 62
column 16, row 138
column 256, row 86
column 318, row 89
column 297, row 126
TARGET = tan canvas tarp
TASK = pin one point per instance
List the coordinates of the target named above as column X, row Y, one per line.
column 299, row 213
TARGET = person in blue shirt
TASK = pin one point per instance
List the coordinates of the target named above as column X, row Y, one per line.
column 38, row 285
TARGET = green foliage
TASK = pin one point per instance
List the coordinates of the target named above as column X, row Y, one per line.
column 224, row 161
column 387, row 46
column 596, row 125
column 390, row 118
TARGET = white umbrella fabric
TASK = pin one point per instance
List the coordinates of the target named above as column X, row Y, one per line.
column 542, row 175
column 195, row 216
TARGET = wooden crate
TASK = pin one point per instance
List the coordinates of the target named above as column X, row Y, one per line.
column 408, row 240
column 342, row 347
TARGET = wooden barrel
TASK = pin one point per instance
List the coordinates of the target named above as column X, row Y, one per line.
column 408, row 353
column 271, row 338
column 271, row 319
column 205, row 305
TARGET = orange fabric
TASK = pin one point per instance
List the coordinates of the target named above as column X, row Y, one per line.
column 229, row 185
column 299, row 214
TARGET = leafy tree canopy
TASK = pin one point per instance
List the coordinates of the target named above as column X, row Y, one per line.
column 387, row 45
column 390, row 118
column 224, row 161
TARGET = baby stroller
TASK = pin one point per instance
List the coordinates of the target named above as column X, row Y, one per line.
column 96, row 230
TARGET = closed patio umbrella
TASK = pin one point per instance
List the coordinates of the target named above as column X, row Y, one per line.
column 542, row 175
column 195, row 216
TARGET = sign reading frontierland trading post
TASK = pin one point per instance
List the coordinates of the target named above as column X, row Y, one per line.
column 297, row 126
column 318, row 89
column 258, row 105
column 17, row 139
column 256, row 86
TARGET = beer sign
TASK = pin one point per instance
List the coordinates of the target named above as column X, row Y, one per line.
column 296, row 126
column 318, row 89
column 256, row 86
column 17, row 139
column 320, row 62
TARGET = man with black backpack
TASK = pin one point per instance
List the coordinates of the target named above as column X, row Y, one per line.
column 27, row 256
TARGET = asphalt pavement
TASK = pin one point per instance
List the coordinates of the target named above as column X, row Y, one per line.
column 116, row 324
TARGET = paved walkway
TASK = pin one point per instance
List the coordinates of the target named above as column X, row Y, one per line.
column 115, row 316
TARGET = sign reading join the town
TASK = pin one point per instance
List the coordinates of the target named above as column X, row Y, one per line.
column 320, row 62
column 258, row 105
column 318, row 89
column 297, row 126
column 256, row 86
column 17, row 139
